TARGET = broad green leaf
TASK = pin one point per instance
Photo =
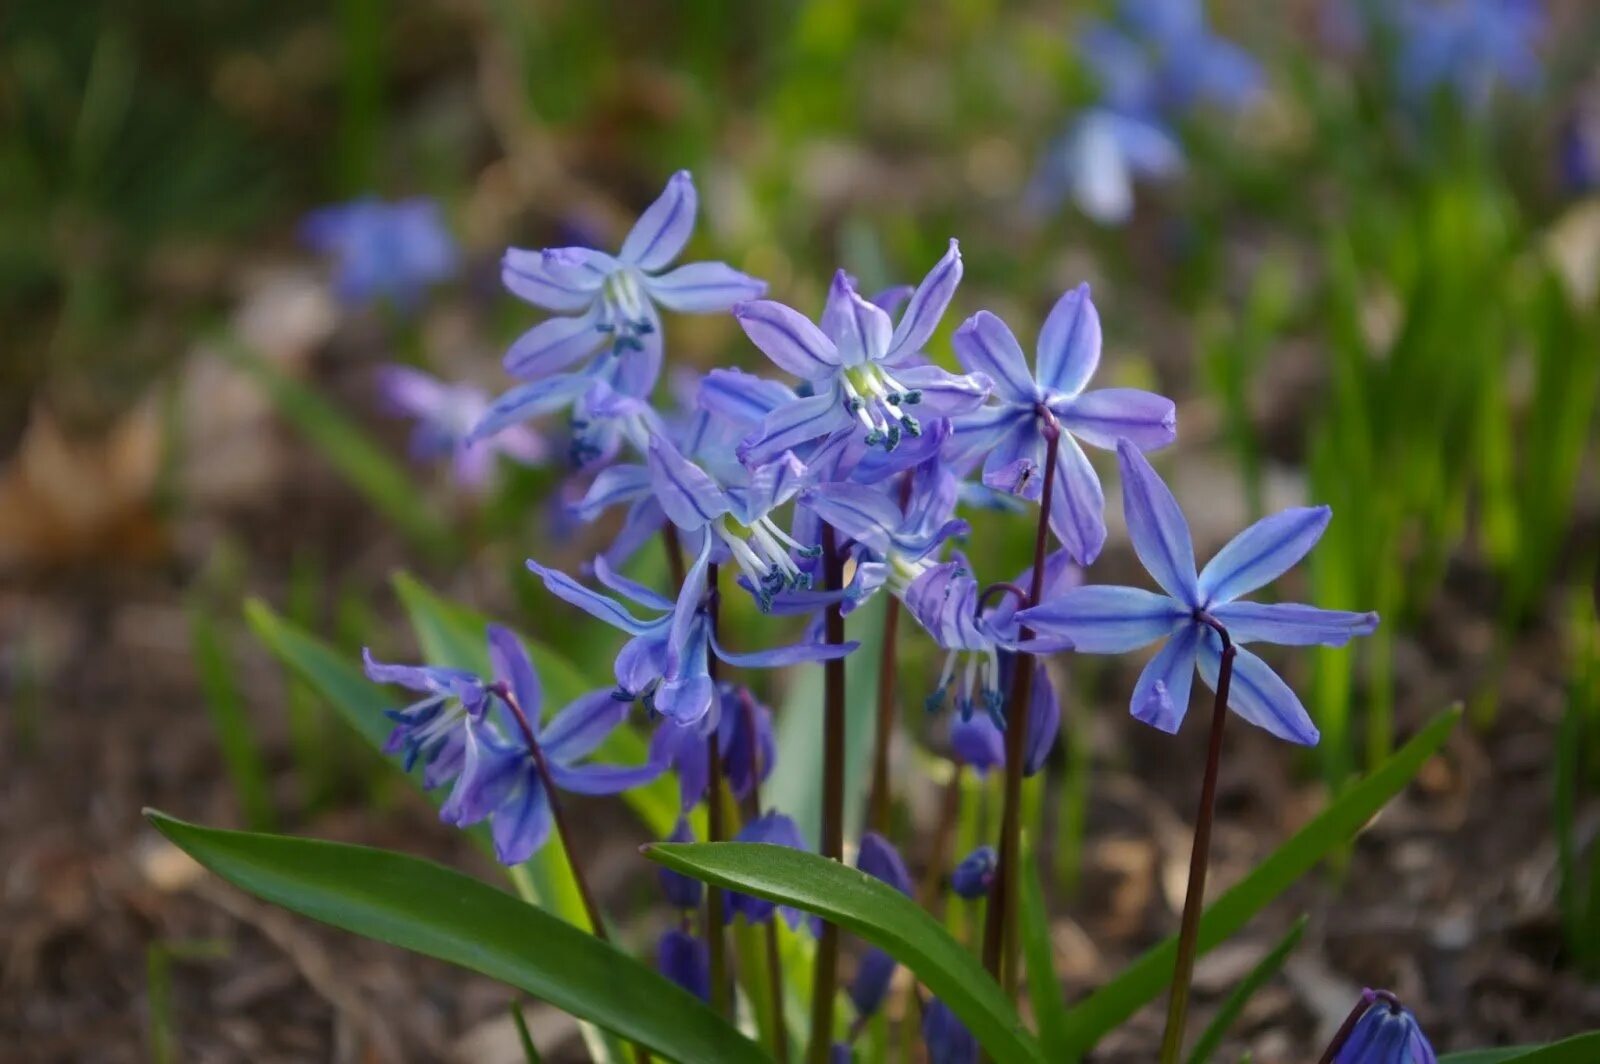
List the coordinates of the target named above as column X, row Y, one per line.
column 873, row 911
column 388, row 486
column 1145, row 979
column 1254, row 980
column 432, row 910
column 452, row 634
column 1579, row 1049
column 1044, row 989
column 795, row 784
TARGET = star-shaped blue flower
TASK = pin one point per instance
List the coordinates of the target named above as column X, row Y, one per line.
column 1104, row 619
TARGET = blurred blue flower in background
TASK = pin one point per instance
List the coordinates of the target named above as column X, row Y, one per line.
column 974, row 876
column 1466, row 48
column 686, row 960
column 446, row 414
column 382, row 250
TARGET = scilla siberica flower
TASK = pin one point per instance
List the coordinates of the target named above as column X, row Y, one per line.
column 1101, row 619
column 1011, row 433
column 1467, row 47
column 974, row 876
column 773, row 829
column 864, row 374
column 747, row 759
column 446, row 414
column 1386, row 1033
column 614, row 298
column 393, row 251
column 947, row 1039
column 454, row 733
column 685, row 959
column 879, row 859
column 665, row 660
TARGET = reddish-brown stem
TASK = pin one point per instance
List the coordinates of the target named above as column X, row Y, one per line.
column 880, row 798
column 669, row 540
column 825, row 979
column 716, row 828
column 999, row 925
column 1199, row 855
column 1347, row 1028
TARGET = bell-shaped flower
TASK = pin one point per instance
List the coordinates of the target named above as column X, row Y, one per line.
column 683, row 892
column 863, row 374
column 430, row 730
column 685, row 959
column 947, row 1039
column 744, row 740
column 1013, row 433
column 1386, row 1033
column 974, row 876
column 613, row 299
column 1103, row 619
column 665, row 660
column 977, row 741
column 380, row 250
column 445, row 416
column 879, row 859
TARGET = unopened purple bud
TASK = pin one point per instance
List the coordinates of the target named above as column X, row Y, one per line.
column 686, row 961
column 1387, row 1033
column 871, row 982
column 975, row 874
column 947, row 1038
column 684, row 892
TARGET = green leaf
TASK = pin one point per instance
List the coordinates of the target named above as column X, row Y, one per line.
column 1579, row 1049
column 356, row 699
column 1257, row 977
column 388, row 486
column 1144, row 979
column 432, row 910
column 1044, row 989
column 241, row 754
column 872, row 910
column 530, row 1052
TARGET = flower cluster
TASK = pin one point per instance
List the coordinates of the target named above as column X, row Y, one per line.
column 869, row 451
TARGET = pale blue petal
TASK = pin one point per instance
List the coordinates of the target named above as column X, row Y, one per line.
column 1014, row 463
column 792, row 425
column 686, row 492
column 629, row 589
column 859, row 330
column 1262, row 552
column 703, row 288
column 1161, row 697
column 944, row 394
column 1291, row 624
column 793, row 654
column 1157, row 527
column 686, row 699
column 553, row 345
column 613, row 485
column 687, row 632
column 1077, row 509
column 509, row 661
column 601, row 607
column 603, row 779
column 927, row 306
column 1103, row 416
column 1257, row 693
column 521, row 826
column 1105, row 618
column 529, row 401
column 664, row 227
column 529, row 276
column 788, row 337
column 741, row 398
column 635, row 372
column 1069, row 344
column 985, row 344
column 582, row 726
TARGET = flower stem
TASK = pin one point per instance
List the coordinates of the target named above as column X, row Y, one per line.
column 752, row 811
column 943, row 840
column 999, row 925
column 825, row 979
column 558, row 816
column 879, row 797
column 716, row 829
column 1200, row 854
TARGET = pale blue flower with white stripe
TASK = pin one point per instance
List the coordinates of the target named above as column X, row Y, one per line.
column 1105, row 619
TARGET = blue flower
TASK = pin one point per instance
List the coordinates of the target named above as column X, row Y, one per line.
column 773, row 829
column 880, row 860
column 665, row 660
column 496, row 773
column 446, row 414
column 864, row 376
column 977, row 741
column 686, row 960
column 944, row 601
column 1103, row 619
column 1097, row 160
column 947, row 1038
column 1467, row 48
column 1385, row 1034
column 393, row 251
column 683, row 748
column 614, row 298
column 974, row 876
column 1012, row 433
column 1159, row 57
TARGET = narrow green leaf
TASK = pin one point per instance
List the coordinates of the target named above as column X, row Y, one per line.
column 344, row 445
column 1044, row 989
column 1144, row 979
column 432, row 910
column 1254, row 980
column 530, row 1052
column 1579, row 1049
column 241, row 754
column 873, row 911
column 358, row 701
